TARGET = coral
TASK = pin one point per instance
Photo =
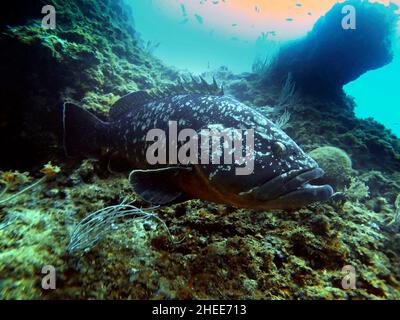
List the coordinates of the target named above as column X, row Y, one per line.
column 31, row 239
column 50, row 170
column 380, row 185
column 11, row 179
column 336, row 164
column 357, row 190
column 224, row 252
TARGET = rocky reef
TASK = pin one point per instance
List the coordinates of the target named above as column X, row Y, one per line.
column 334, row 54
column 95, row 56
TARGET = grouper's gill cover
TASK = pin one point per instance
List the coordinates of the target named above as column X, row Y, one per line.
column 282, row 170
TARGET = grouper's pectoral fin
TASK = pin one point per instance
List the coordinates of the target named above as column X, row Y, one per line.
column 157, row 186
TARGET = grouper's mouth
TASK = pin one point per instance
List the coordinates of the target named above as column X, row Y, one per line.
column 293, row 189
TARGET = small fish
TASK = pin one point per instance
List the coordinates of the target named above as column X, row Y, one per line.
column 183, row 9
column 264, row 35
column 299, row 5
column 289, row 19
column 199, row 18
column 282, row 170
column 257, row 9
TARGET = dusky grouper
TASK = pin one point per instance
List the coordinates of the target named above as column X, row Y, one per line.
column 282, row 170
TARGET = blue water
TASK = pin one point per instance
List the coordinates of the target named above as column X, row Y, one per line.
column 377, row 94
column 197, row 46
column 191, row 45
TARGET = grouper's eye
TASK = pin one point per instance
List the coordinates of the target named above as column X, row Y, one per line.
column 278, row 148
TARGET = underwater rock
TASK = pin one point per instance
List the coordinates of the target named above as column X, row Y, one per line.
column 336, row 164
column 331, row 56
column 93, row 56
column 379, row 204
column 381, row 186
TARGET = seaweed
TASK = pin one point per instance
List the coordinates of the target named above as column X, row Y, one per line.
column 357, row 190
column 151, row 46
column 288, row 95
column 283, row 120
column 268, row 53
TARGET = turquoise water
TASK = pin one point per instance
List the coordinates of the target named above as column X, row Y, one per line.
column 193, row 45
column 197, row 42
column 377, row 94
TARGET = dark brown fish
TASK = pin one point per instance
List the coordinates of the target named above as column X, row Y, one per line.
column 281, row 169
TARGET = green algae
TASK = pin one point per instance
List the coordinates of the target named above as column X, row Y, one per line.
column 226, row 253
column 336, row 164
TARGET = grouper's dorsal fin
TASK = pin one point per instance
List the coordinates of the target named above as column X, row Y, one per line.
column 201, row 86
column 191, row 85
column 128, row 102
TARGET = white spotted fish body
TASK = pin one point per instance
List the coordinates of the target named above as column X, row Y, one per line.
column 281, row 170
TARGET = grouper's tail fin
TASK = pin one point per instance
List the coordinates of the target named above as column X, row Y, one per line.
column 83, row 133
